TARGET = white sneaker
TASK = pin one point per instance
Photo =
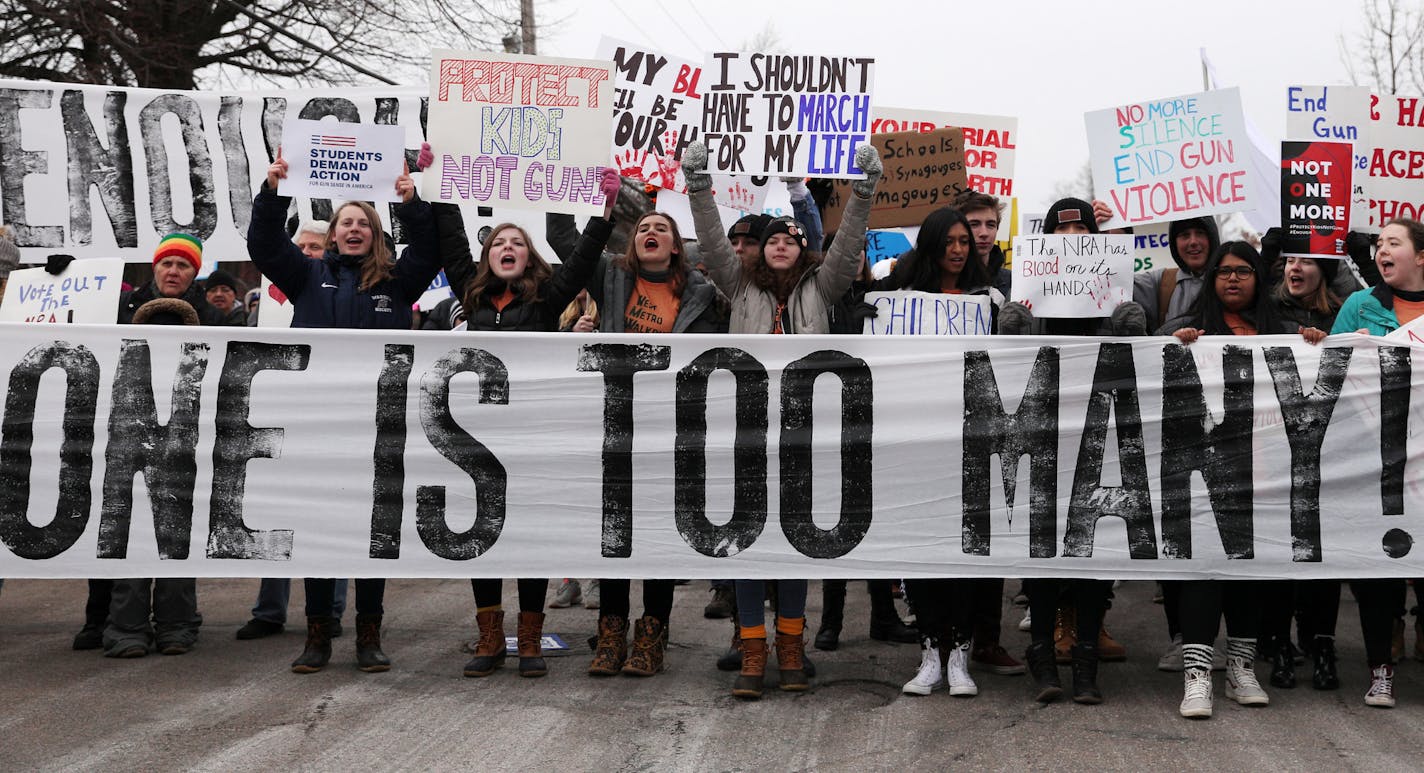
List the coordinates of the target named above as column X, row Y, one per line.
column 1242, row 685
column 1026, row 624
column 928, row 678
column 1171, row 660
column 961, row 684
column 592, row 598
column 1381, row 692
column 568, row 595
column 1196, row 694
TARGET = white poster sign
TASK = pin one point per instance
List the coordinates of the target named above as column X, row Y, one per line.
column 909, row 312
column 1339, row 114
column 87, row 292
column 1396, row 177
column 347, row 162
column 1073, row 275
column 657, row 111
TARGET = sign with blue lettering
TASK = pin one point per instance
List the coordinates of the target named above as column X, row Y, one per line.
column 884, row 245
column 342, row 161
column 1342, row 114
column 913, row 313
column 87, row 292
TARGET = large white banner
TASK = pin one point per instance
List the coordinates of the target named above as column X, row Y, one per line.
column 164, row 451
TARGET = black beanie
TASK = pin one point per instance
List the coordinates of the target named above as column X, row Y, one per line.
column 749, row 225
column 784, row 225
column 1070, row 211
column 222, row 278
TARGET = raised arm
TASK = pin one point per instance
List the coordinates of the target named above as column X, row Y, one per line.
column 268, row 245
column 723, row 267
column 843, row 261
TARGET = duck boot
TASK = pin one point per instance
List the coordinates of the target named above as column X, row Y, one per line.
column 749, row 681
column 531, row 654
column 791, row 661
column 317, row 652
column 369, row 657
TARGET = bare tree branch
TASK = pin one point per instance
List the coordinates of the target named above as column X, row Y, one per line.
column 1388, row 55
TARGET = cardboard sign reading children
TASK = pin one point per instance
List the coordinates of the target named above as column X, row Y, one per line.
column 1315, row 198
column 779, row 114
column 1073, row 275
column 520, row 131
column 1170, row 158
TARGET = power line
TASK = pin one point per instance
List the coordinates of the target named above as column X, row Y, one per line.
column 706, row 24
column 652, row 41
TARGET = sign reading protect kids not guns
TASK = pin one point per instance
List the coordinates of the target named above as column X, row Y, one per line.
column 1171, row 158
column 529, row 132
column 786, row 115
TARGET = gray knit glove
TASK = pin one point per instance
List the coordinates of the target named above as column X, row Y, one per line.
column 1128, row 319
column 1014, row 319
column 9, row 257
column 694, row 167
column 868, row 159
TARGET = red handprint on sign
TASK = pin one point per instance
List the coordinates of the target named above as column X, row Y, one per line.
column 630, row 163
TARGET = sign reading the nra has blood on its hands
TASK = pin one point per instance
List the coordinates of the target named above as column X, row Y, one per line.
column 519, row 131
column 1170, row 158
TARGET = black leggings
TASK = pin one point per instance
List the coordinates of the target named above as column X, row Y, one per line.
column 321, row 596
column 490, row 593
column 1089, row 598
column 1204, row 602
column 1315, row 603
column 657, row 598
column 1380, row 602
column 943, row 609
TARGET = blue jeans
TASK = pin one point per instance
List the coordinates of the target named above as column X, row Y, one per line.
column 272, row 596
column 790, row 600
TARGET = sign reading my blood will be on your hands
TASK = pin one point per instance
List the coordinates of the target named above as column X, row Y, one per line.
column 519, row 131
column 1170, row 158
column 786, row 115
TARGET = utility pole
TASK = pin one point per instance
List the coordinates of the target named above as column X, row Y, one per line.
column 526, row 24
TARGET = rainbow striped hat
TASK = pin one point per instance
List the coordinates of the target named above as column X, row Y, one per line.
column 189, row 248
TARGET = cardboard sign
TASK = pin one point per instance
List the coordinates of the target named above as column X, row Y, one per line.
column 885, row 245
column 779, row 114
column 1315, row 198
column 344, row 161
column 910, row 312
column 657, row 111
column 923, row 172
column 1172, row 158
column 1073, row 275
column 528, row 132
column 86, row 293
column 990, row 142
column 1339, row 114
column 1396, row 178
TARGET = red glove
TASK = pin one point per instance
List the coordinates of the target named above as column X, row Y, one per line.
column 426, row 158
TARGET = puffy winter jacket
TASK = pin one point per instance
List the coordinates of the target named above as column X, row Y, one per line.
column 1371, row 310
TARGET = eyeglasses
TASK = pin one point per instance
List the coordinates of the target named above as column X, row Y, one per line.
column 1240, row 272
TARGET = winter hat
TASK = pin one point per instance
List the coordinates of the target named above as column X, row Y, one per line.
column 783, row 225
column 1070, row 211
column 166, row 311
column 749, row 225
column 189, row 248
column 222, row 278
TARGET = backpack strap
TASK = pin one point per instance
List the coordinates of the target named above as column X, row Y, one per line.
column 1165, row 288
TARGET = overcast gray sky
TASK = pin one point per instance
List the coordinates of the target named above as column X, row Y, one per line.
column 1045, row 62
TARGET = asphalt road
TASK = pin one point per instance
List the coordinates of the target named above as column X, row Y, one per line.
column 232, row 705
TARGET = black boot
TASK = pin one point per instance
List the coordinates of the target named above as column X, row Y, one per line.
column 885, row 622
column 318, row 647
column 1085, row 674
column 833, row 593
column 369, row 657
column 1323, row 651
column 731, row 660
column 1282, row 663
column 1044, row 668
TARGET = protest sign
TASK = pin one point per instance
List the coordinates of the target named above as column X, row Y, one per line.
column 923, row 172
column 913, row 313
column 990, row 142
column 1152, row 247
column 1396, row 179
column 1315, row 198
column 404, row 454
column 884, row 245
column 1413, row 333
column 777, row 114
column 1033, row 223
column 87, row 292
column 1340, row 114
column 274, row 309
column 657, row 111
column 1169, row 159
column 740, row 192
column 529, row 132
column 347, row 162
column 438, row 291
column 1073, row 275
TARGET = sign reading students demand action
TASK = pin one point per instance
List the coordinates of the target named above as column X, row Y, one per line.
column 778, row 114
column 1172, row 158
column 405, row 454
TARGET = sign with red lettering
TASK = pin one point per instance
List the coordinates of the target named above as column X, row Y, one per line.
column 657, row 111
column 1315, row 198
column 990, row 142
column 1339, row 114
column 529, row 132
column 1073, row 275
column 777, row 114
column 1172, row 158
column 1396, row 174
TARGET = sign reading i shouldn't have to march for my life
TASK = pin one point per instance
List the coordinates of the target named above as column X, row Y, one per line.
column 1073, row 275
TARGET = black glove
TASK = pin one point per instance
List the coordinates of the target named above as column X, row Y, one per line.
column 56, row 264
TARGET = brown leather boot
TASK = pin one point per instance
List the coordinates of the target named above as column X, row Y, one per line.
column 612, row 647
column 1109, row 649
column 531, row 655
column 1065, row 634
column 489, row 649
column 791, row 661
column 649, row 645
column 749, row 681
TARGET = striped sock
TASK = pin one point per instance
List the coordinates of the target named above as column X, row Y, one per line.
column 1196, row 656
column 1242, row 649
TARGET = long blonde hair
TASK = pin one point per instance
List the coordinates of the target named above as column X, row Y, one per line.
column 377, row 265
column 574, row 310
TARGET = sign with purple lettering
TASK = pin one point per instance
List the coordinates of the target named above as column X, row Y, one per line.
column 1167, row 159
column 779, row 114
column 529, row 132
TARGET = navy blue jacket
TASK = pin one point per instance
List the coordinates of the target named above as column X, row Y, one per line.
column 324, row 293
